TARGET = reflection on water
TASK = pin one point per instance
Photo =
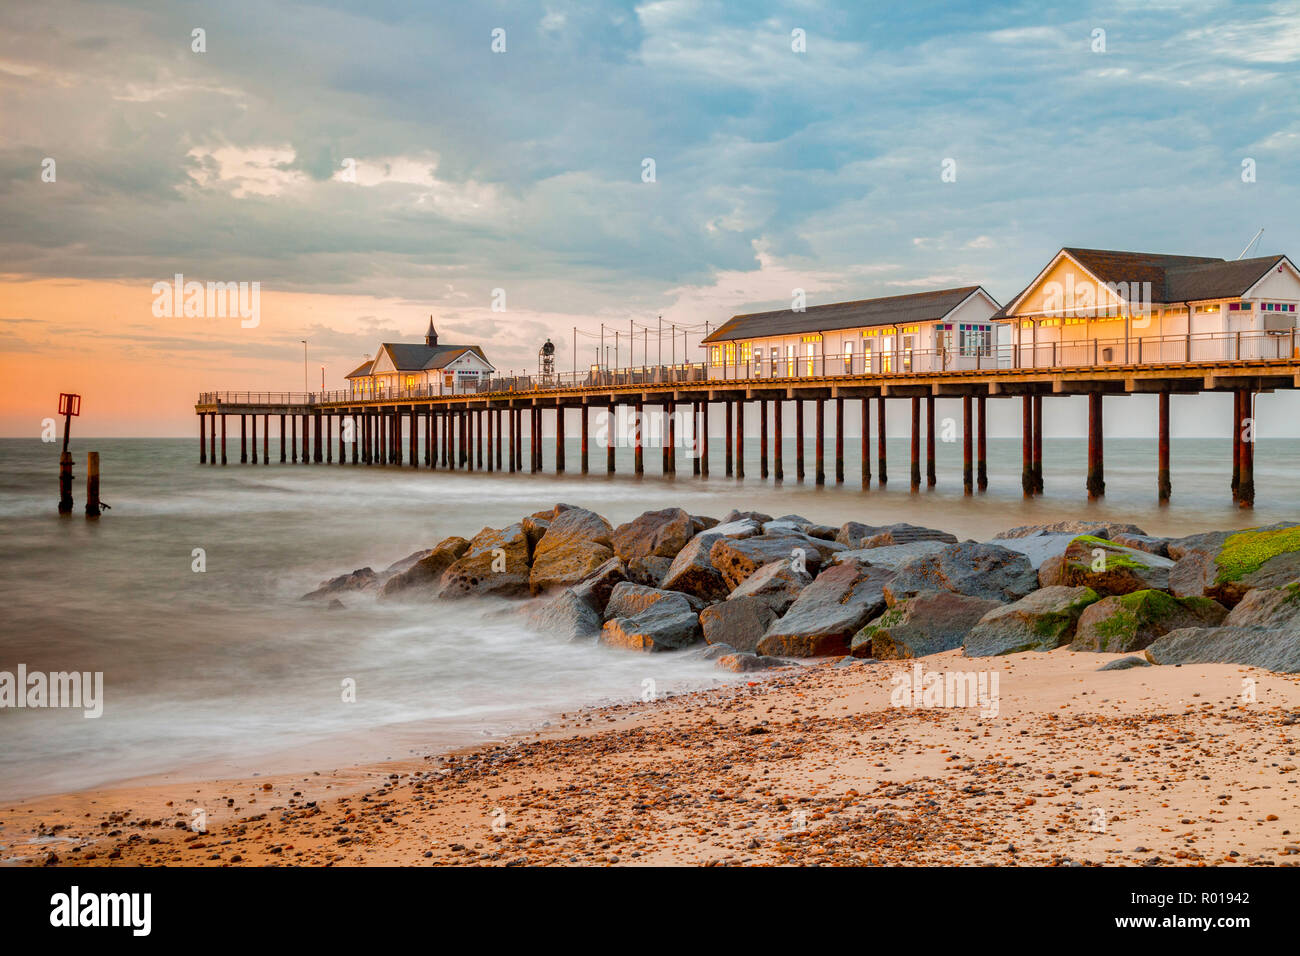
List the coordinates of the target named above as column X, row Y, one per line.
column 228, row 666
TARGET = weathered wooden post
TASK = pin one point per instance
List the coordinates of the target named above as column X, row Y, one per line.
column 478, row 437
column 728, row 439
column 611, row 418
column 638, row 428
column 1038, row 444
column 212, row 439
column 695, row 438
column 584, row 427
column 243, row 440
column 1027, row 446
column 672, row 438
column 839, row 441
column 1164, row 486
column 967, row 443
column 880, row 439
column 253, row 427
column 740, row 438
column 223, row 439
column 266, row 440
column 1096, row 454
column 356, row 437
column 798, row 440
column 282, row 448
column 865, row 450
column 203, row 438
column 931, row 478
column 1246, row 489
column 316, row 449
column 778, row 440
column 981, row 446
column 559, row 438
column 762, row 438
column 1237, row 416
column 819, row 429
column 704, row 439
column 916, row 442
column 532, row 439
column 92, row 484
column 69, row 405
column 664, row 465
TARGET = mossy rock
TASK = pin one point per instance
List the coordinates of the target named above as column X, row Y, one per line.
column 1106, row 567
column 1131, row 622
column 1039, row 622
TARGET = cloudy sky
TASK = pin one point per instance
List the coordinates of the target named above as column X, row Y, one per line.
column 371, row 164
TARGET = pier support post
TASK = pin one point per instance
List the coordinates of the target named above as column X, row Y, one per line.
column 293, row 441
column 414, row 424
column 611, row 439
column 203, row 438
column 762, row 438
column 1027, row 446
column 243, row 439
column 967, row 447
column 1237, row 416
column 585, row 425
column 839, row 441
column 704, row 439
column 931, row 478
column 559, row 439
column 981, row 445
column 1164, row 486
column 92, row 484
column 638, row 435
column 253, row 428
column 478, row 438
column 727, row 406
column 499, row 414
column 880, row 441
column 916, row 442
column 316, row 449
column 282, row 448
column 865, row 439
column 740, row 438
column 798, row 440
column 672, row 438
column 778, row 440
column 819, row 430
column 306, row 439
column 695, row 438
column 665, row 411
column 534, row 449
column 1246, row 437
column 223, row 439
column 519, row 444
column 212, row 439
column 266, row 440
column 1096, row 456
column 355, row 436
column 1038, row 444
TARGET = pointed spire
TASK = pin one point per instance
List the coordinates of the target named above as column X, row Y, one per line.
column 431, row 337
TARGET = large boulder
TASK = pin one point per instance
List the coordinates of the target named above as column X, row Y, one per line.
column 659, row 534
column 574, row 525
column 362, row 579
column 692, row 571
column 1226, row 565
column 628, row 599
column 828, row 612
column 740, row 622
column 856, row 535
column 745, row 663
column 800, row 524
column 567, row 615
column 979, row 570
column 596, row 587
column 1038, row 622
column 664, row 625
column 926, row 623
column 737, row 558
column 575, row 544
column 1130, row 622
column 1274, row 649
column 1038, row 547
column 757, row 517
column 425, row 574
column 778, row 584
column 650, row 570
column 1267, row 607
column 1100, row 529
column 1106, row 567
column 495, row 563
column 892, row 556
column 1143, row 542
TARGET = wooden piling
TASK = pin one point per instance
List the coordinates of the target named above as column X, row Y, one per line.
column 223, row 439
column 672, row 438
column 253, row 428
column 866, row 443
column 203, row 439
column 704, row 439
column 1038, row 444
column 266, row 440
column 778, row 441
column 282, row 449
column 762, row 439
column 880, row 440
column 611, row 438
column 740, row 438
column 916, row 442
column 665, row 410
column 316, row 448
column 819, row 431
column 798, row 440
column 931, row 477
column 981, row 445
column 1246, row 489
column 1027, row 445
column 1237, row 416
column 212, row 438
column 65, row 481
column 695, row 438
column 638, row 430
column 478, row 437
column 727, row 439
column 243, row 440
column 1096, row 457
column 1164, row 485
column 967, row 446
column 92, row 484
column 498, row 433
column 355, row 436
column 585, row 429
column 559, row 439
column 839, row 441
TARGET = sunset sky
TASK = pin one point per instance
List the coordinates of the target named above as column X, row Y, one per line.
column 522, row 170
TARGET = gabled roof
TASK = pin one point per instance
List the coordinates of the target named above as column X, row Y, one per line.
column 891, row 310
column 1172, row 278
column 361, row 370
column 417, row 357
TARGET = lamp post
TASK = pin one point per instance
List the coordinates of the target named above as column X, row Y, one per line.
column 305, row 386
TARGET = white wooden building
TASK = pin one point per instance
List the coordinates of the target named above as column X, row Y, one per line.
column 425, row 369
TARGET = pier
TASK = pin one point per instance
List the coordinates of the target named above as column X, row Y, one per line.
column 483, row 429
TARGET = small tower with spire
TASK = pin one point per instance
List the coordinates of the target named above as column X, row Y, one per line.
column 431, row 337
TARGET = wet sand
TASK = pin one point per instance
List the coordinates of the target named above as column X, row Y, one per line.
column 1148, row 766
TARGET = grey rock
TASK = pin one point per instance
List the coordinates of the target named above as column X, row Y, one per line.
column 1132, row 621
column 473, row 573
column 660, row 534
column 1125, row 663
column 745, row 663
column 1143, row 542
column 1037, row 547
column 926, row 623
column 1274, row 649
column 1038, row 622
column 1100, row 529
column 855, row 535
column 596, row 588
column 778, row 583
column 1267, row 607
column 1121, row 570
column 980, row 570
column 740, row 622
column 736, row 559
column 755, row 516
column 649, row 570
column 692, row 571
column 567, row 615
column 828, row 612
column 362, row 579
column 424, row 575
column 663, row 626
column 890, row 556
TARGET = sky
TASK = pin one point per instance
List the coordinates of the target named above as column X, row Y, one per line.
column 373, row 164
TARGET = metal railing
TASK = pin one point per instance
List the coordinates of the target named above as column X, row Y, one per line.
column 1081, row 354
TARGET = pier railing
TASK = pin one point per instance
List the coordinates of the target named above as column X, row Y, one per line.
column 1204, row 348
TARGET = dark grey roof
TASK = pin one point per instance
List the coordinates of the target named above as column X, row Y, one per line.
column 417, row 357
column 362, row 369
column 890, row 310
column 1172, row 278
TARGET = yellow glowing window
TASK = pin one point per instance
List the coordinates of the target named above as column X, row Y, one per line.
column 746, row 352
column 812, row 338
column 869, row 333
column 731, row 353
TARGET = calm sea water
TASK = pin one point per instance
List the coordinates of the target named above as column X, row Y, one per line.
column 227, row 670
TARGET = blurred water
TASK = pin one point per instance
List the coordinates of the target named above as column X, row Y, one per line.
column 229, row 667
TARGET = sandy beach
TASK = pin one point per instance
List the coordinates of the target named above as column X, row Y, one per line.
column 1172, row 766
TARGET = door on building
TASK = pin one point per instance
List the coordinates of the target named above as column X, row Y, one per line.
column 887, row 353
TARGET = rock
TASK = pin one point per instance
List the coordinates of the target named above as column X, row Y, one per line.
column 855, row 535
column 777, row 583
column 567, row 615
column 1125, row 663
column 1038, row 622
column 649, row 570
column 755, row 516
column 596, row 588
column 362, row 579
column 737, row 558
column 660, row 534
column 535, row 526
column 1038, row 547
column 406, row 563
column 744, row 663
column 740, row 622
column 890, row 556
column 1143, row 542
column 828, row 612
column 926, row 623
column 663, row 626
column 1274, row 649
column 702, row 523
column 473, row 573
column 425, row 574
column 692, row 571
column 1100, row 529
column 1226, row 565
column 335, row 605
column 1267, row 607
column 710, row 652
column 1132, row 621
column 629, row 599
column 566, row 563
column 980, row 570
column 574, row 525
column 1120, row 570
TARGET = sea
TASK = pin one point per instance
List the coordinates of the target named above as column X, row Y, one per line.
column 217, row 668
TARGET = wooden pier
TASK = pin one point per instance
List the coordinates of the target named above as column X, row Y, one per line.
column 452, row 431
